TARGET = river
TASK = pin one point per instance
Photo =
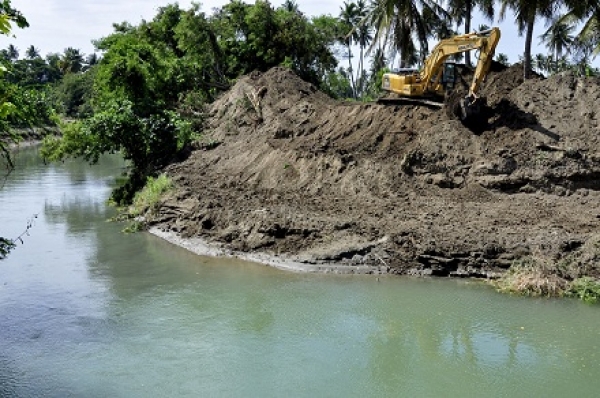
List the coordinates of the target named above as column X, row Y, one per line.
column 87, row 311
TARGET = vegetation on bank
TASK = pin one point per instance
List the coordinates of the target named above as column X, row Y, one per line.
column 146, row 202
column 568, row 276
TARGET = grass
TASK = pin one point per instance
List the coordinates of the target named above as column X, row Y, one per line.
column 149, row 198
column 585, row 289
column 534, row 277
column 145, row 202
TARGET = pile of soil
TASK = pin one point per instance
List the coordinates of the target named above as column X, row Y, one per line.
column 286, row 170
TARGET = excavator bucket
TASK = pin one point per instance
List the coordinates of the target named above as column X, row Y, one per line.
column 469, row 110
column 472, row 112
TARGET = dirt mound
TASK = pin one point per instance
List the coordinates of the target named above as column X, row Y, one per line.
column 285, row 169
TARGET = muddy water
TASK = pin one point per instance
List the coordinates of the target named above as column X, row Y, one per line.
column 88, row 312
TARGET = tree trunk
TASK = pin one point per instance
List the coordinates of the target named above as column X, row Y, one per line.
column 528, row 40
column 350, row 72
column 361, row 66
column 468, row 12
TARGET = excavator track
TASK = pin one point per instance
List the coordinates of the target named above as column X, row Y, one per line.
column 410, row 101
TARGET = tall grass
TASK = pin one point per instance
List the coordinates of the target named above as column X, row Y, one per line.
column 535, row 277
column 149, row 198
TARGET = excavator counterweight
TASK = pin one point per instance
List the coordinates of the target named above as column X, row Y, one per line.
column 437, row 78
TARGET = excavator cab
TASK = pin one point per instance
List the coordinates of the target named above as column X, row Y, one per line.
column 449, row 76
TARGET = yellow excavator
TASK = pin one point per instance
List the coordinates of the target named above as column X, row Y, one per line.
column 438, row 78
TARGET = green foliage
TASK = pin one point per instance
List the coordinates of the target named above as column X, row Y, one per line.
column 73, row 94
column 585, row 289
column 6, row 245
column 7, row 109
column 337, row 85
column 148, row 199
column 531, row 276
column 258, row 37
column 145, row 202
column 132, row 70
column 33, row 107
column 149, row 143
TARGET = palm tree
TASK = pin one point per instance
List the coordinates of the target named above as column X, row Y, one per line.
column 398, row 22
column 32, row 52
column 558, row 37
column 502, row 58
column 588, row 12
column 350, row 18
column 71, row 61
column 90, row 61
column 526, row 11
column 540, row 63
column 13, row 52
column 363, row 36
column 291, row 6
column 462, row 11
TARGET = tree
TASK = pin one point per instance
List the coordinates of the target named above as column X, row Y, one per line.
column 462, row 12
column 558, row 37
column 91, row 60
column 53, row 68
column 13, row 53
column 71, row 61
column 398, row 22
column 588, row 12
column 363, row 37
column 290, row 6
column 32, row 52
column 526, row 12
column 502, row 58
column 8, row 15
column 349, row 16
column 133, row 114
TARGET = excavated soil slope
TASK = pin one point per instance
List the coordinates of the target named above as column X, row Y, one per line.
column 286, row 170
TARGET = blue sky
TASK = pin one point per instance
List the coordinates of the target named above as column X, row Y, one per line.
column 58, row 24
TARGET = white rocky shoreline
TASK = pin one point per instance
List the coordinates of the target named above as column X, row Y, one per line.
column 201, row 247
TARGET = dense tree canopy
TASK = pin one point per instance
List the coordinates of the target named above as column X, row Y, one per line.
column 153, row 80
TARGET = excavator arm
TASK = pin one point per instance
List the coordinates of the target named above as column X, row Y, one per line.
column 485, row 42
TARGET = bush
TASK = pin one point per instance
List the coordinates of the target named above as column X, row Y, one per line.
column 73, row 94
column 586, row 289
column 532, row 277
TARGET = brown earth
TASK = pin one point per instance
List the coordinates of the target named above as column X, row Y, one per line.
column 286, row 170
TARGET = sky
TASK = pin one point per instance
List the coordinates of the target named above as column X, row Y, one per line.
column 58, row 24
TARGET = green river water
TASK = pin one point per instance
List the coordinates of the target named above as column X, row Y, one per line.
column 86, row 311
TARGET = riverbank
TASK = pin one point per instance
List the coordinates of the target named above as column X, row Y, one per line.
column 32, row 136
column 283, row 262
column 284, row 169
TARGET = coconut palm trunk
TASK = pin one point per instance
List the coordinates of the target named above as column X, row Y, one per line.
column 528, row 41
column 468, row 12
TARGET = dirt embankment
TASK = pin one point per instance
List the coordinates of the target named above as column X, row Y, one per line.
column 286, row 170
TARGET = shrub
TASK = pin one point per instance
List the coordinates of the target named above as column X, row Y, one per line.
column 532, row 277
column 586, row 289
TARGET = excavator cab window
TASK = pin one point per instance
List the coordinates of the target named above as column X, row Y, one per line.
column 449, row 75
